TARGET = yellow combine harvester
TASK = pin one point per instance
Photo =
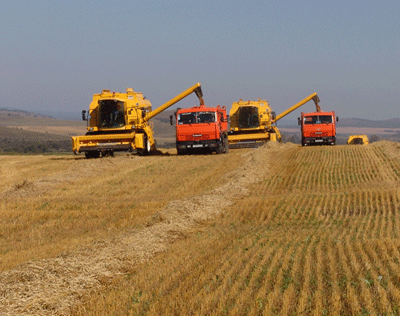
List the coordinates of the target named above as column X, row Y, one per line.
column 358, row 140
column 252, row 122
column 120, row 122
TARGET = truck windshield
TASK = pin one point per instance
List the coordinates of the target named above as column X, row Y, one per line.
column 318, row 119
column 111, row 113
column 196, row 117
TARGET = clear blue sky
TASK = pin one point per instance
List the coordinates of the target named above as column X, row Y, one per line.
column 56, row 54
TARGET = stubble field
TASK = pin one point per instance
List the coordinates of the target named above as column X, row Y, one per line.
column 277, row 230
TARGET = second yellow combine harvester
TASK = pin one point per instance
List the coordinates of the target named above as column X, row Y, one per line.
column 120, row 122
column 252, row 122
column 358, row 140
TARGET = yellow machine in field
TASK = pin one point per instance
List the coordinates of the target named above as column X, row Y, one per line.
column 358, row 140
column 120, row 122
column 252, row 122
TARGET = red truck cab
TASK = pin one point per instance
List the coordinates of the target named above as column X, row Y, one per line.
column 318, row 128
column 201, row 128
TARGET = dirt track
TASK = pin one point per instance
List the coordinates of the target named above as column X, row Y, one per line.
column 53, row 286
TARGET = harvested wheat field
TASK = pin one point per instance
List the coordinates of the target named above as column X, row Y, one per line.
column 281, row 229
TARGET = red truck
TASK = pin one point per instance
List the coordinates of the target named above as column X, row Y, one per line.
column 318, row 128
column 201, row 128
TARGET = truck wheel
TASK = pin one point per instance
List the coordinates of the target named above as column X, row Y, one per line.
column 219, row 148
column 180, row 151
column 226, row 145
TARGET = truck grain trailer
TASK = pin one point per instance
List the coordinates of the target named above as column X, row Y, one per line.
column 201, row 129
column 251, row 122
column 318, row 128
column 120, row 122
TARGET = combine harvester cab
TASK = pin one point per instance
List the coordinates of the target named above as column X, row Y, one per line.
column 201, row 129
column 120, row 122
column 252, row 122
column 358, row 140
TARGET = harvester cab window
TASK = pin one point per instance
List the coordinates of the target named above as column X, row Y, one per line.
column 111, row 113
column 248, row 117
column 205, row 117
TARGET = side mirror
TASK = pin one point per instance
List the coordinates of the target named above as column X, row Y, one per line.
column 337, row 118
column 170, row 119
column 84, row 115
column 298, row 121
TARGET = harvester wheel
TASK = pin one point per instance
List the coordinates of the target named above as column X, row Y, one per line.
column 92, row 154
column 145, row 151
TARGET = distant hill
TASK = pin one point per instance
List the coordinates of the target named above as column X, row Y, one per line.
column 10, row 112
column 356, row 122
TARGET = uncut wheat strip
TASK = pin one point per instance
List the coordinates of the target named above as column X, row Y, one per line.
column 314, row 203
column 94, row 264
column 304, row 302
column 391, row 151
column 239, row 295
column 392, row 213
column 300, row 165
column 351, row 297
column 318, row 173
column 367, row 204
column 233, row 289
column 265, row 276
column 375, row 162
column 325, row 210
column 289, row 296
column 354, row 215
column 302, row 206
column 386, row 172
column 262, row 258
column 359, row 163
column 214, row 289
column 299, row 161
column 392, row 257
column 291, row 208
column 328, row 164
column 356, row 255
column 378, row 274
column 329, row 175
column 337, row 204
column 335, row 306
column 273, row 300
column 374, row 216
column 351, row 167
column 379, row 226
column 320, row 297
column 395, row 206
column 337, row 166
column 254, row 306
column 233, row 294
column 369, row 164
column 385, row 227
